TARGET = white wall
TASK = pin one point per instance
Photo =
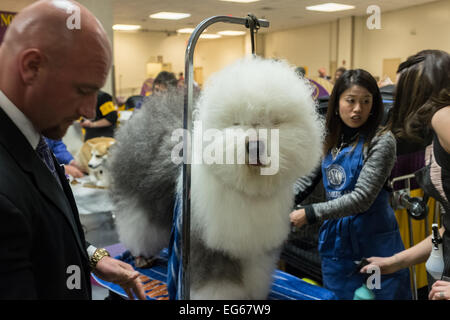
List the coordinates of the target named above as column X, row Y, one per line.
column 310, row 46
column 214, row 54
column 133, row 50
column 403, row 33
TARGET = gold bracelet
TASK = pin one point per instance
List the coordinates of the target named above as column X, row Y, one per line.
column 97, row 256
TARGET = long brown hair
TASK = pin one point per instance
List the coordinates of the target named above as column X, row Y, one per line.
column 334, row 124
column 422, row 89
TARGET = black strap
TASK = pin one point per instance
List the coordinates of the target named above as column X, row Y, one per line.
column 253, row 25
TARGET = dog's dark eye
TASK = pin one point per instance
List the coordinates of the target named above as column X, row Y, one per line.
column 98, row 157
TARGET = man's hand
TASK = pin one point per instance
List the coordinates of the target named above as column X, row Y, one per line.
column 121, row 273
column 73, row 171
column 87, row 123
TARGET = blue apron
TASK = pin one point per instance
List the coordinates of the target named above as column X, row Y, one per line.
column 370, row 233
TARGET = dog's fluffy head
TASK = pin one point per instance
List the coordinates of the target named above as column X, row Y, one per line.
column 255, row 95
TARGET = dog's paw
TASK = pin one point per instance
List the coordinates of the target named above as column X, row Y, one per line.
column 143, row 262
column 101, row 184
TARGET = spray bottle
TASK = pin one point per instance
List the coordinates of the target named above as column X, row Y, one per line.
column 435, row 263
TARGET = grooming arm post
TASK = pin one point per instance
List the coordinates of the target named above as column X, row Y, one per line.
column 187, row 125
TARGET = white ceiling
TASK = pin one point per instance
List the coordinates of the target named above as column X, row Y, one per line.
column 282, row 14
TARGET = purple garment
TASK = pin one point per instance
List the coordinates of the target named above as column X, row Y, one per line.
column 319, row 91
column 408, row 164
column 5, row 20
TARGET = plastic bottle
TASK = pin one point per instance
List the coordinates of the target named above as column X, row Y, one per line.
column 363, row 293
column 435, row 263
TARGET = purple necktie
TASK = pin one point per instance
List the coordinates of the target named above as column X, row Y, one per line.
column 45, row 154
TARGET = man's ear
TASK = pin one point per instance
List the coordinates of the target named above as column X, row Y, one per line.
column 30, row 63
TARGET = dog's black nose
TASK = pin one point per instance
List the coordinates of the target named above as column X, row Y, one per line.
column 255, row 148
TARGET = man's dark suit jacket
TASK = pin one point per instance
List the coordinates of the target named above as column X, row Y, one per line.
column 42, row 246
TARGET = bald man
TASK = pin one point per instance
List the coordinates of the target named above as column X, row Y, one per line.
column 49, row 76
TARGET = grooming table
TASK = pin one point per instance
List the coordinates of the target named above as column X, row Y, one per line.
column 89, row 199
column 284, row 287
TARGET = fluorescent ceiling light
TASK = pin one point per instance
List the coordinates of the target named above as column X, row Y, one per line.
column 125, row 27
column 330, row 7
column 231, row 33
column 170, row 15
column 210, row 36
column 241, row 1
column 186, row 30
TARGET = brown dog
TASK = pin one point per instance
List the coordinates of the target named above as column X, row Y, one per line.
column 92, row 157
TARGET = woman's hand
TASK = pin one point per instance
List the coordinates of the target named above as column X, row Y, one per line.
column 298, row 218
column 440, row 291
column 386, row 265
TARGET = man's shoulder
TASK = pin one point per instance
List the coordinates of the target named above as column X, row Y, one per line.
column 10, row 170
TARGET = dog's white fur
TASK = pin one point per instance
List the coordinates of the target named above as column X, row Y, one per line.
column 237, row 213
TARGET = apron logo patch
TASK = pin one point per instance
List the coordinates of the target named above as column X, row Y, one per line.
column 336, row 176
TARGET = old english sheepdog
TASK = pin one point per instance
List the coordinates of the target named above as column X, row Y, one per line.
column 256, row 130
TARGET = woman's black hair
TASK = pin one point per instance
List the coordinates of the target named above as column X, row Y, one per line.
column 423, row 88
column 165, row 78
column 334, row 124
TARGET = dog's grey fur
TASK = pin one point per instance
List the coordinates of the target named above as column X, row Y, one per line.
column 141, row 168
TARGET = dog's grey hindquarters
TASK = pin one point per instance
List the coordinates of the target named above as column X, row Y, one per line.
column 143, row 175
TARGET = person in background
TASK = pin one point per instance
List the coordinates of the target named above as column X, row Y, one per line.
column 339, row 72
column 64, row 157
column 105, row 120
column 146, row 88
column 300, row 71
column 421, row 114
column 323, row 73
column 163, row 82
column 357, row 220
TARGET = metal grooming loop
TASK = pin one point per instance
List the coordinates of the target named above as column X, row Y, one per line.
column 417, row 209
column 253, row 24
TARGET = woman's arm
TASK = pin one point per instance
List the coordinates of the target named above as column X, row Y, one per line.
column 440, row 122
column 305, row 185
column 374, row 173
column 404, row 259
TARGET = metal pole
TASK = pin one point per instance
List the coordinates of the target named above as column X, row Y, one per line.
column 187, row 152
column 411, row 244
column 413, row 268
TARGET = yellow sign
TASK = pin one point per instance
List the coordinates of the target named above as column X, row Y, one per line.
column 107, row 107
column 6, row 18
